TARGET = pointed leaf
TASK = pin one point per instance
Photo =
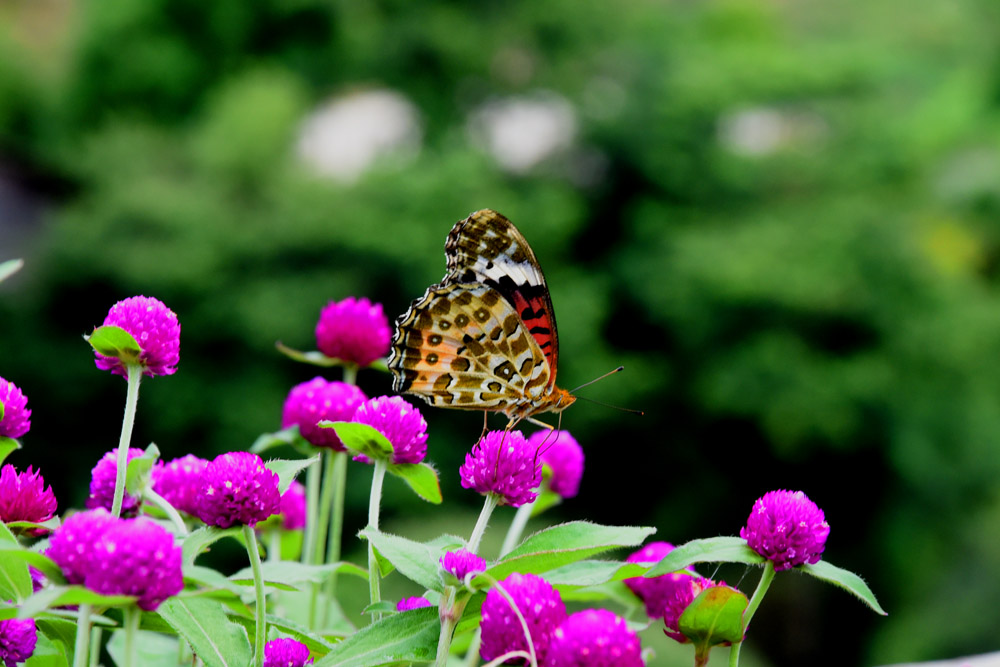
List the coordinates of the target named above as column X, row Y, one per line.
column 7, row 445
column 288, row 469
column 63, row 596
column 40, row 562
column 201, row 539
column 415, row 561
column 266, row 441
column 138, row 473
column 216, row 640
column 9, row 268
column 361, row 439
column 289, row 573
column 845, row 579
column 714, row 617
column 151, row 648
column 112, row 341
column 406, row 637
column 15, row 582
column 421, row 477
column 313, row 357
column 709, row 550
column 592, row 573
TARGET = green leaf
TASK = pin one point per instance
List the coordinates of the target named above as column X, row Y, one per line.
column 380, row 607
column 315, row 642
column 421, row 477
column 546, row 499
column 7, row 269
column 288, row 469
column 845, row 579
column 415, row 561
column 57, row 629
column 216, row 640
column 15, row 582
column 21, row 527
column 708, row 550
column 48, row 653
column 138, row 473
column 361, row 439
column 42, row 563
column 289, row 573
column 714, row 617
column 408, row 637
column 7, row 445
column 567, row 543
column 201, row 539
column 314, row 357
column 63, row 596
column 266, row 441
column 152, row 649
column 112, row 341
column 592, row 573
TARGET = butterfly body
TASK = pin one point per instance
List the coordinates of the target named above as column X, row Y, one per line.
column 484, row 338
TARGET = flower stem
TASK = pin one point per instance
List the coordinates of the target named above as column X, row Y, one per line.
column 325, row 502
column 134, row 372
column 82, row 645
column 168, row 509
column 765, row 582
column 260, row 632
column 448, row 622
column 489, row 505
column 339, row 483
column 132, row 614
column 309, row 543
column 516, row 528
column 350, row 374
column 374, row 502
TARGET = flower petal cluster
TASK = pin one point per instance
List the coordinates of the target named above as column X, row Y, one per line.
column 311, row 402
column 681, row 597
column 286, row 652
column 786, row 528
column 462, row 562
column 102, row 483
column 179, row 482
column 539, row 603
column 24, row 496
column 16, row 415
column 564, row 456
column 655, row 592
column 417, row 602
column 401, row 424
column 72, row 544
column 136, row 557
column 154, row 327
column 594, row 638
column 236, row 488
column 17, row 640
column 505, row 464
column 354, row 330
column 293, row 507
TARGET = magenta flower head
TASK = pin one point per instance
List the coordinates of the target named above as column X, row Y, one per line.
column 539, row 603
column 286, row 652
column 102, row 483
column 564, row 456
column 236, row 488
column 462, row 562
column 678, row 601
column 179, row 482
column 24, row 496
column 656, row 591
column 16, row 415
column 17, row 640
column 156, row 330
column 72, row 544
column 293, row 507
column 786, row 528
column 594, row 638
column 136, row 557
column 505, row 464
column 354, row 330
column 406, row 604
column 401, row 424
column 311, row 402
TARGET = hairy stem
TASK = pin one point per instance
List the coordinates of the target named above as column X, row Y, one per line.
column 134, row 372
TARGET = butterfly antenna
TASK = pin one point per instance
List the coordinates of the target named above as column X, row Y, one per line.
column 587, row 384
column 613, row 407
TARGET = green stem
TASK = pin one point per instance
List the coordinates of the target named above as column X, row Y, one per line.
column 765, row 582
column 167, row 508
column 274, row 545
column 489, row 505
column 448, row 622
column 325, row 503
column 82, row 646
column 516, row 528
column 260, row 632
column 309, row 539
column 350, row 373
column 134, row 372
column 337, row 521
column 95, row 640
column 472, row 654
column 132, row 614
column 374, row 502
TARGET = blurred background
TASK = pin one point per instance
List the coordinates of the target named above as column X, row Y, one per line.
column 780, row 217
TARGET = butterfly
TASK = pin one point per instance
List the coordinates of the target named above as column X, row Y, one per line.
column 484, row 338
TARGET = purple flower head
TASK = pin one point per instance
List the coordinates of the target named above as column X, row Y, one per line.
column 506, row 464
column 16, row 415
column 656, row 591
column 354, row 330
column 311, row 402
column 678, row 601
column 594, row 638
column 17, row 640
column 179, row 482
column 286, row 652
column 24, row 496
column 293, row 507
column 539, row 603
column 156, row 330
column 406, row 604
column 102, row 483
column 237, row 488
column 71, row 545
column 136, row 557
column 401, row 424
column 38, row 580
column 564, row 457
column 786, row 528
column 462, row 562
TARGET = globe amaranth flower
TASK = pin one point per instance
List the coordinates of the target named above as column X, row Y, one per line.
column 462, row 562
column 17, row 640
column 564, row 457
column 786, row 528
column 539, row 603
column 678, row 601
column 286, row 652
column 71, row 545
column 179, row 482
column 656, row 591
column 417, row 602
column 102, row 483
column 293, row 507
column 16, row 415
column 154, row 327
column 136, row 557
column 311, row 402
column 236, row 488
column 505, row 464
column 401, row 424
column 594, row 638
column 24, row 496
column 354, row 330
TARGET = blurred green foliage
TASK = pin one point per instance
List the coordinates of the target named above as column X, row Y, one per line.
column 788, row 236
